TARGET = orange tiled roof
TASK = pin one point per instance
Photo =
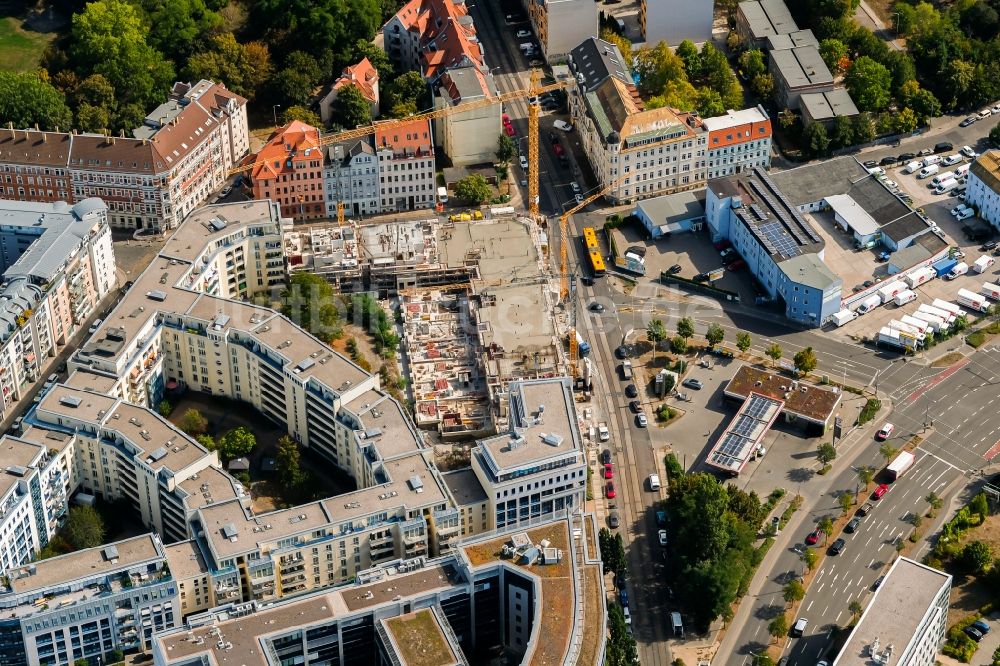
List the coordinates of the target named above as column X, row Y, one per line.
column 363, row 75
column 295, row 137
column 410, row 138
column 445, row 25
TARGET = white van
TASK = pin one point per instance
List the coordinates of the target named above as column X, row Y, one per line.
column 941, row 177
column 946, row 186
column 931, row 159
column 912, row 166
column 96, row 325
column 928, row 171
column 443, row 195
column 961, row 268
column 562, row 125
column 654, row 482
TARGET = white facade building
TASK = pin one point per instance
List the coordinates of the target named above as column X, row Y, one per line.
column 983, row 189
column 738, row 141
column 673, row 21
column 351, row 177
column 560, row 25
column 905, row 622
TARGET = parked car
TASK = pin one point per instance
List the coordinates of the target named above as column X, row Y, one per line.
column 869, row 164
column 885, row 432
column 641, row 420
column 878, row 582
column 837, row 547
column 661, row 518
column 969, row 152
column 631, row 391
column 968, row 121
column 982, row 626
column 523, row 34
column 958, row 209
column 973, row 633
column 965, row 214
column 813, row 537
column 952, row 159
column 736, row 265
column 621, row 351
column 985, row 113
column 852, row 525
column 692, row 383
column 943, row 147
column 880, row 492
column 608, row 471
column 613, row 520
column 887, row 161
column 596, row 307
column 865, row 509
column 609, row 490
column 523, row 161
column 989, row 245
column 662, row 534
column 907, row 157
column 635, row 406
column 606, row 457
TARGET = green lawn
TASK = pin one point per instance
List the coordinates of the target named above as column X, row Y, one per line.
column 20, row 49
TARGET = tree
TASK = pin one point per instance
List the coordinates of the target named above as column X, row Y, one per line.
column 932, row 498
column 237, row 443
column 762, row 85
column 688, row 53
column 178, row 27
column 778, row 627
column 976, row 557
column 164, row 408
column 865, row 475
column 350, row 109
column 763, row 659
column 302, row 114
column 26, row 100
column 406, row 94
column 84, row 528
column 855, row 608
column 710, row 103
column 794, row 591
column 310, row 302
column 193, row 422
column 805, row 360
column 864, row 128
column 995, row 136
column 773, row 351
column 207, row 441
column 111, row 37
column 826, row 453
column 506, row 149
column 787, row 118
column 718, row 75
column 743, row 341
column 887, row 451
column 378, row 58
column 826, row 527
column 834, row 53
column 715, row 334
column 843, row 132
column 980, row 505
column 809, row 558
column 846, row 501
column 905, row 121
column 473, row 189
column 286, row 463
column 679, row 344
column 752, row 63
column 244, row 68
column 623, row 44
column 326, row 28
column 869, row 83
column 815, row 140
column 656, row 333
column 923, row 102
column 685, row 327
column 656, row 66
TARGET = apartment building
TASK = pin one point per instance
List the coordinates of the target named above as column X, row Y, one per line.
column 180, row 155
column 738, row 141
column 58, row 264
column 641, row 152
column 560, row 25
column 364, row 77
column 405, row 153
column 351, row 178
column 289, row 171
column 493, row 594
column 87, row 604
column 905, row 621
column 983, row 189
column 673, row 21
column 438, row 38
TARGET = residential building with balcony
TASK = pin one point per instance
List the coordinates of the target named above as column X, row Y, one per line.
column 289, row 171
column 58, row 264
column 405, row 153
column 87, row 604
column 640, row 152
column 180, row 155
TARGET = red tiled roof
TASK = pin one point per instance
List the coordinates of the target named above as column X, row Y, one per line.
column 33, row 147
column 411, row 138
column 363, row 75
column 295, row 137
column 440, row 23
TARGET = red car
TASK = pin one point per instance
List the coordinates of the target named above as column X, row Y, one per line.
column 736, row 265
column 557, row 149
column 609, row 472
column 609, row 490
column 881, row 490
column 813, row 537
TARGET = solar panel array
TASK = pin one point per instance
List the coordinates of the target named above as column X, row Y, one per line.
column 745, row 431
column 761, row 215
column 779, row 239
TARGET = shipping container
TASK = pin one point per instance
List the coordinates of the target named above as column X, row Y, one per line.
column 944, row 266
column 918, row 277
column 888, row 292
column 972, row 300
column 983, row 263
column 990, row 290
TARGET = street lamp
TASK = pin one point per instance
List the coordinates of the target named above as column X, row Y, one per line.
column 274, row 112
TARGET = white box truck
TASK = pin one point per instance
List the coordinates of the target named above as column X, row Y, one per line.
column 983, row 263
column 947, row 306
column 844, row 316
column 896, row 338
column 972, row 300
column 905, row 328
column 900, row 464
column 934, row 324
column 990, row 290
column 961, row 268
column 916, row 323
column 947, row 316
column 888, row 291
column 869, row 304
column 904, row 297
column 918, row 277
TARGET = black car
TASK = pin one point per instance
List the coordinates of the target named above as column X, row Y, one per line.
column 589, row 281
column 596, row 307
column 613, row 520
column 907, row 157
column 852, row 525
column 837, row 547
column 887, row 161
column 988, row 245
column 973, row 633
column 968, row 121
column 870, row 164
column 675, row 269
column 622, row 352
column 943, row 147
column 878, row 582
column 631, row 391
column 701, row 277
column 635, row 406
column 606, row 457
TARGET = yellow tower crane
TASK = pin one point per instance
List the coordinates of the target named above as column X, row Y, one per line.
column 533, row 145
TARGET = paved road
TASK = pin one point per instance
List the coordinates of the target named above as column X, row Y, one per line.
column 944, row 128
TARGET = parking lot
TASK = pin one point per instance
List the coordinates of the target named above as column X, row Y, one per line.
column 852, row 265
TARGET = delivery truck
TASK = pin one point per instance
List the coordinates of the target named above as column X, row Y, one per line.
column 961, row 268
column 888, row 291
column 899, row 465
column 896, row 338
column 904, row 297
column 972, row 300
column 869, row 304
column 582, row 345
column 906, row 328
column 948, row 306
column 990, row 290
column 934, row 324
column 943, row 266
column 916, row 323
column 918, row 277
column 844, row 316
column 983, row 263
column 946, row 316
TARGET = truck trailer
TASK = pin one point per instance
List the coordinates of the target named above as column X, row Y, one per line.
column 972, row 300
column 899, row 465
column 844, row 316
column 904, row 297
column 983, row 263
column 934, row 324
column 945, row 315
column 896, row 338
column 990, row 290
column 889, row 291
column 918, row 277
column 947, row 305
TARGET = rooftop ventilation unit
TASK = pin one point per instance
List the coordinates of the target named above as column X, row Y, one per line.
column 110, row 553
column 70, row 401
column 156, row 295
column 416, row 483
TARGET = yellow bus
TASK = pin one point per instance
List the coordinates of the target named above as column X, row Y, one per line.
column 590, row 239
column 597, row 263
